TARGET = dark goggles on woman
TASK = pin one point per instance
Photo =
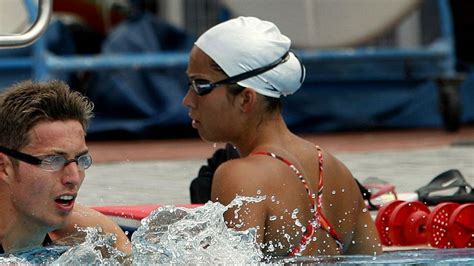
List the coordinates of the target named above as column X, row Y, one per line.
column 50, row 162
column 203, row 87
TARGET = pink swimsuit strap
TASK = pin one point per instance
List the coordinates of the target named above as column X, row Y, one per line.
column 319, row 219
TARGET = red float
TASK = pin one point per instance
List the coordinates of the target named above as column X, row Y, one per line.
column 461, row 226
column 407, row 223
column 381, row 221
column 437, row 229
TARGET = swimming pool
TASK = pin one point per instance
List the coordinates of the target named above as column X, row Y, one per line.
column 85, row 255
column 178, row 235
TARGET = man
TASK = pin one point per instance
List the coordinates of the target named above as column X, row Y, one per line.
column 43, row 158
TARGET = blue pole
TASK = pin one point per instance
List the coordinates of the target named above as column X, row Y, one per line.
column 40, row 68
column 446, row 26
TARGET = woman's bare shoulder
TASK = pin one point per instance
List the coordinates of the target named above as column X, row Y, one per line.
column 240, row 176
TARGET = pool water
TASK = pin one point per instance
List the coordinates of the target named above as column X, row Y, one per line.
column 176, row 235
column 463, row 256
column 40, row 255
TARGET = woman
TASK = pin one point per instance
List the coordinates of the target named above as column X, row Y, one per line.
column 238, row 70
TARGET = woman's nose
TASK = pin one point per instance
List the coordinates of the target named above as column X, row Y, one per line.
column 189, row 99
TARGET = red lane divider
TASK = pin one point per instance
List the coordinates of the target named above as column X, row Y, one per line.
column 405, row 223
column 462, row 226
column 437, row 226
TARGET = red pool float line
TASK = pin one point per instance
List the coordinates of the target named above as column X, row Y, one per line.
column 405, row 223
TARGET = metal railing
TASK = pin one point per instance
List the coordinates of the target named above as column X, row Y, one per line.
column 34, row 32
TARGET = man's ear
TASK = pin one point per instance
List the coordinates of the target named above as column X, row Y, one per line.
column 248, row 100
column 6, row 168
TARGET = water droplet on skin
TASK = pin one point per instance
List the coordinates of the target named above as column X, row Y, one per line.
column 353, row 242
column 330, row 204
column 270, row 247
column 259, row 192
column 364, row 210
column 280, row 245
column 342, row 190
column 215, row 145
column 273, row 218
column 333, row 192
column 298, row 223
column 273, row 198
column 294, row 213
column 365, row 225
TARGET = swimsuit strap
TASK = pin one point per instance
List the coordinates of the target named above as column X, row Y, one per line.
column 324, row 222
column 311, row 196
column 319, row 220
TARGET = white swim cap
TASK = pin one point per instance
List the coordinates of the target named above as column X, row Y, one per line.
column 246, row 43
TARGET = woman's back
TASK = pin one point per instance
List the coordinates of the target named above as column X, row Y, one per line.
column 290, row 178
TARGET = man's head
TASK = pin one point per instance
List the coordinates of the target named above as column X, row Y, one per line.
column 25, row 104
column 43, row 151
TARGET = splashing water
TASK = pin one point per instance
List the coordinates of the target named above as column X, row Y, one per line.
column 38, row 255
column 199, row 235
column 96, row 249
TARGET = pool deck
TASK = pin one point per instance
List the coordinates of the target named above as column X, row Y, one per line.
column 160, row 171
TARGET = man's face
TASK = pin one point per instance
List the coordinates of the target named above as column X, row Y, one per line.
column 46, row 198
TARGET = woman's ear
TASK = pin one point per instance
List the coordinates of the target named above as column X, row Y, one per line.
column 6, row 169
column 248, row 100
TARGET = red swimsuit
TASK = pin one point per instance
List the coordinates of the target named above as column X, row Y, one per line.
column 319, row 219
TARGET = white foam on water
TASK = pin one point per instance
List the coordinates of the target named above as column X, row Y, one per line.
column 195, row 235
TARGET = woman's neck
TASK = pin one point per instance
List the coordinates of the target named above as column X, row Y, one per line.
column 267, row 133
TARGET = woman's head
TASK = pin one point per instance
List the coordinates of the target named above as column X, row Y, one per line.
column 248, row 44
column 224, row 67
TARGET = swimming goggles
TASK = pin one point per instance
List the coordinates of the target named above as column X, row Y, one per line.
column 51, row 162
column 203, row 87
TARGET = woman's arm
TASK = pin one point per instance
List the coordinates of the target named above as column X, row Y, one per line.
column 238, row 178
